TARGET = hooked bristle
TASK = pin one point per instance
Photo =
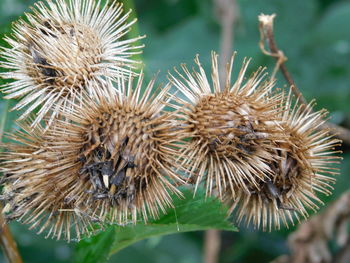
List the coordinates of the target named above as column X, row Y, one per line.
column 263, row 155
column 63, row 46
column 232, row 130
column 111, row 157
column 302, row 167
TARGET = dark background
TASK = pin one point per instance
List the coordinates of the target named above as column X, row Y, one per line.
column 315, row 36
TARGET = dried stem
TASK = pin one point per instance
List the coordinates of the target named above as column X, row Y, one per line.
column 6, row 240
column 267, row 35
column 212, row 246
column 310, row 242
column 227, row 13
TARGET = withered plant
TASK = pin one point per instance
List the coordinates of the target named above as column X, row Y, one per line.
column 105, row 149
column 302, row 167
column 233, row 131
column 60, row 47
column 264, row 155
column 111, row 160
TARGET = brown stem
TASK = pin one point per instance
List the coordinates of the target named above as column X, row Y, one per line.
column 267, row 35
column 309, row 243
column 7, row 242
column 212, row 246
column 227, row 12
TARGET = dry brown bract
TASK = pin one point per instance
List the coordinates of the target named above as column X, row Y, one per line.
column 63, row 45
column 110, row 161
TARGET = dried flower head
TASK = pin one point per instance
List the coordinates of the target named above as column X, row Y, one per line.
column 37, row 185
column 64, row 45
column 232, row 131
column 110, row 160
column 302, row 167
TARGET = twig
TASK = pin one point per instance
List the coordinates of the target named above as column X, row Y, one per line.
column 212, row 246
column 310, row 242
column 7, row 242
column 267, row 35
column 341, row 132
column 227, row 13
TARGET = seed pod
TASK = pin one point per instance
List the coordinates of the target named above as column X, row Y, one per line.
column 38, row 189
column 303, row 166
column 231, row 131
column 64, row 45
column 109, row 160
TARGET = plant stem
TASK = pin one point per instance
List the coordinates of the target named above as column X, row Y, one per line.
column 310, row 242
column 212, row 246
column 267, row 34
column 226, row 12
column 7, row 242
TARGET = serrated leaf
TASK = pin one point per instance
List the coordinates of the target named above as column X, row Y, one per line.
column 188, row 214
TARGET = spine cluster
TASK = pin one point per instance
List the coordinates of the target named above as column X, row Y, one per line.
column 105, row 147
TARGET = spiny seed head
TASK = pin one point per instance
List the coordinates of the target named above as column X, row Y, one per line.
column 38, row 183
column 232, row 131
column 110, row 161
column 301, row 167
column 64, row 45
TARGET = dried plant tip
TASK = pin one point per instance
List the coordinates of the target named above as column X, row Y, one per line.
column 110, row 161
column 302, row 167
column 64, row 45
column 231, row 141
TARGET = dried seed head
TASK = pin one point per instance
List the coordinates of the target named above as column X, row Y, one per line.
column 38, row 186
column 63, row 45
column 231, row 141
column 110, row 160
column 301, row 168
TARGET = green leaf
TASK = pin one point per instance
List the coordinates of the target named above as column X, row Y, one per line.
column 96, row 249
column 189, row 214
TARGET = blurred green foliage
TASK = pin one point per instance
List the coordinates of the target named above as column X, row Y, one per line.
column 315, row 36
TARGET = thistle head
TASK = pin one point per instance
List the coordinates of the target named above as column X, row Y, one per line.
column 38, row 185
column 109, row 160
column 302, row 167
column 64, row 45
column 231, row 131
